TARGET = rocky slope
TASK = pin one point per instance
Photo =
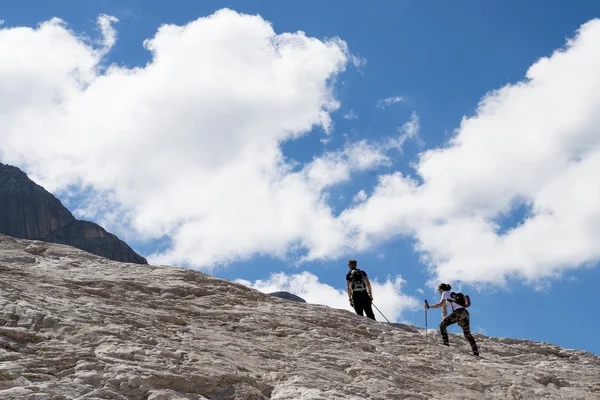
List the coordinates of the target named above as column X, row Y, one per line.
column 28, row 211
column 77, row 326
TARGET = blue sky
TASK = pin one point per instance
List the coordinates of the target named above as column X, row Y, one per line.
column 439, row 58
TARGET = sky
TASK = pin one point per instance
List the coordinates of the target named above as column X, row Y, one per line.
column 270, row 142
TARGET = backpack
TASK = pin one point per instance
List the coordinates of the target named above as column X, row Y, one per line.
column 460, row 299
column 357, row 281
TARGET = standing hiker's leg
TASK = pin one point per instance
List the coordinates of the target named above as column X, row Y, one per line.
column 449, row 320
column 358, row 306
column 463, row 322
column 369, row 310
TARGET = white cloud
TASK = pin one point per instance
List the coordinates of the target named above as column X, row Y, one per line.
column 360, row 196
column 1, row 21
column 535, row 143
column 350, row 115
column 387, row 296
column 411, row 127
column 358, row 61
column 388, row 101
column 109, row 34
column 187, row 146
column 409, row 131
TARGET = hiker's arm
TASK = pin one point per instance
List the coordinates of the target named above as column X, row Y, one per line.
column 369, row 286
column 438, row 305
column 349, row 291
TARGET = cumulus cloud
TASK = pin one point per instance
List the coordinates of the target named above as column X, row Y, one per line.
column 187, row 146
column 387, row 296
column 533, row 144
column 388, row 102
column 1, row 21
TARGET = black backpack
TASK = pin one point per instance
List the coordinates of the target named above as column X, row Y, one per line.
column 357, row 281
column 460, row 299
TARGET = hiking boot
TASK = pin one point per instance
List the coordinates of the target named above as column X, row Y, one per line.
column 476, row 354
column 446, row 344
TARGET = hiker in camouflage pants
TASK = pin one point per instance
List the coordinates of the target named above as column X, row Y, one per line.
column 462, row 317
column 459, row 314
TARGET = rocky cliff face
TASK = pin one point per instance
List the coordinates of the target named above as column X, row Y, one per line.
column 77, row 326
column 93, row 238
column 28, row 211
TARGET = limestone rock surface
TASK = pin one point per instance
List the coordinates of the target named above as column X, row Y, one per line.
column 77, row 326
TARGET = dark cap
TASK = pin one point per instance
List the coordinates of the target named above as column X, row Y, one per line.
column 352, row 262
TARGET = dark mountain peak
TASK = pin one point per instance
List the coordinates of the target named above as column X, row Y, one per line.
column 28, row 211
column 288, row 296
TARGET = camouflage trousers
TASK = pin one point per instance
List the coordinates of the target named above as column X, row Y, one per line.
column 462, row 317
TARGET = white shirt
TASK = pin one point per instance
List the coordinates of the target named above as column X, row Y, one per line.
column 446, row 296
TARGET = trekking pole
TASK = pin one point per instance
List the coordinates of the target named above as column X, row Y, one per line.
column 380, row 312
column 427, row 304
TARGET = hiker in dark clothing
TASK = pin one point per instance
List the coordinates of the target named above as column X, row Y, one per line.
column 360, row 293
column 459, row 314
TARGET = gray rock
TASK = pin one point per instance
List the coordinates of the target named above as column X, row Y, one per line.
column 94, row 239
column 77, row 326
column 28, row 211
column 288, row 296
